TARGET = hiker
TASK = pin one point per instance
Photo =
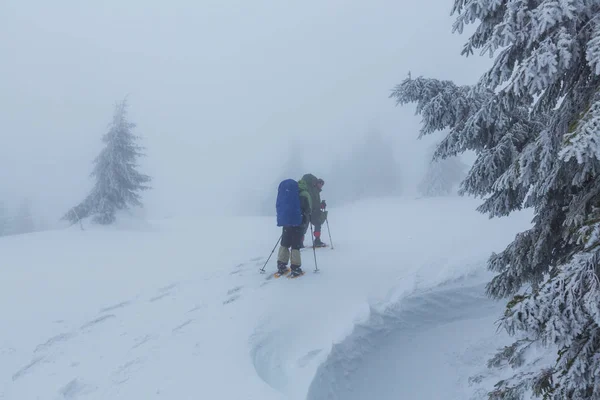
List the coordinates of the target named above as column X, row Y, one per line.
column 318, row 212
column 293, row 214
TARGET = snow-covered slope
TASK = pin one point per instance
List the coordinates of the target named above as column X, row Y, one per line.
column 178, row 309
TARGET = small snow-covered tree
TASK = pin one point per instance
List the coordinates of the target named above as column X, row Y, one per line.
column 534, row 122
column 369, row 170
column 118, row 183
column 442, row 175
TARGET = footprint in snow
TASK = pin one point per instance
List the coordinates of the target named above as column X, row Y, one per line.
column 160, row 296
column 234, row 290
column 183, row 325
column 43, row 352
column 114, row 307
column 139, row 341
column 197, row 308
column 233, row 294
column 165, row 291
column 97, row 321
column 124, row 372
column 24, row 370
column 75, row 388
column 54, row 340
column 237, row 269
column 231, row 299
column 168, row 287
column 269, row 275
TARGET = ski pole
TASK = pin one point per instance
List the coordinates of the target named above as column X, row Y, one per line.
column 262, row 270
column 329, row 232
column 314, row 249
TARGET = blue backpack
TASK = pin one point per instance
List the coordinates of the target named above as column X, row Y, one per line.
column 288, row 208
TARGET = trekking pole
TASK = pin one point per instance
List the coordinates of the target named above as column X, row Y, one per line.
column 262, row 270
column 314, row 249
column 329, row 232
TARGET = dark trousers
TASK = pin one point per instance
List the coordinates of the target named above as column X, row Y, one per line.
column 292, row 237
column 317, row 228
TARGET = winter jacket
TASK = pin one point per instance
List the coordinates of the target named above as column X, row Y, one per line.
column 305, row 202
column 311, row 184
column 317, row 215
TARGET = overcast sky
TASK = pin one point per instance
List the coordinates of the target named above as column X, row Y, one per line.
column 218, row 89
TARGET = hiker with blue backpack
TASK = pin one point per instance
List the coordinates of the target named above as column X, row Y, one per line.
column 293, row 206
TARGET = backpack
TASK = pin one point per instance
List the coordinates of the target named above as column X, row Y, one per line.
column 288, row 208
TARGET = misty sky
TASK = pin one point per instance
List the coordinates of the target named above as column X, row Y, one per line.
column 218, row 89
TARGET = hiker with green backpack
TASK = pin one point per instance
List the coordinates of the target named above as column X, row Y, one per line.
column 314, row 187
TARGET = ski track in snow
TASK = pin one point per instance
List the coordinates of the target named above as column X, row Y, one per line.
column 52, row 351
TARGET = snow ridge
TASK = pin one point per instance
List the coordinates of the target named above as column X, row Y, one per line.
column 339, row 377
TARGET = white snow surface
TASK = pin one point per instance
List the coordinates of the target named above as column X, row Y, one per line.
column 177, row 309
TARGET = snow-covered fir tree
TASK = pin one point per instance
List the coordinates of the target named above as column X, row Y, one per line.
column 118, row 183
column 442, row 175
column 368, row 170
column 533, row 120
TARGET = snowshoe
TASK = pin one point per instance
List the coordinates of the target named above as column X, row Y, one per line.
column 282, row 270
column 281, row 273
column 296, row 272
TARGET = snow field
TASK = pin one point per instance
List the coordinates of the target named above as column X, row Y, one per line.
column 178, row 308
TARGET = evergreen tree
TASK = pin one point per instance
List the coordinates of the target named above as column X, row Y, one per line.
column 369, row 170
column 118, row 183
column 442, row 175
column 534, row 121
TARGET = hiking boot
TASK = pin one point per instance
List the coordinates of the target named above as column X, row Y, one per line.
column 319, row 243
column 281, row 268
column 296, row 271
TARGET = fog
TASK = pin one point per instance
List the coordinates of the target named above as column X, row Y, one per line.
column 221, row 92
